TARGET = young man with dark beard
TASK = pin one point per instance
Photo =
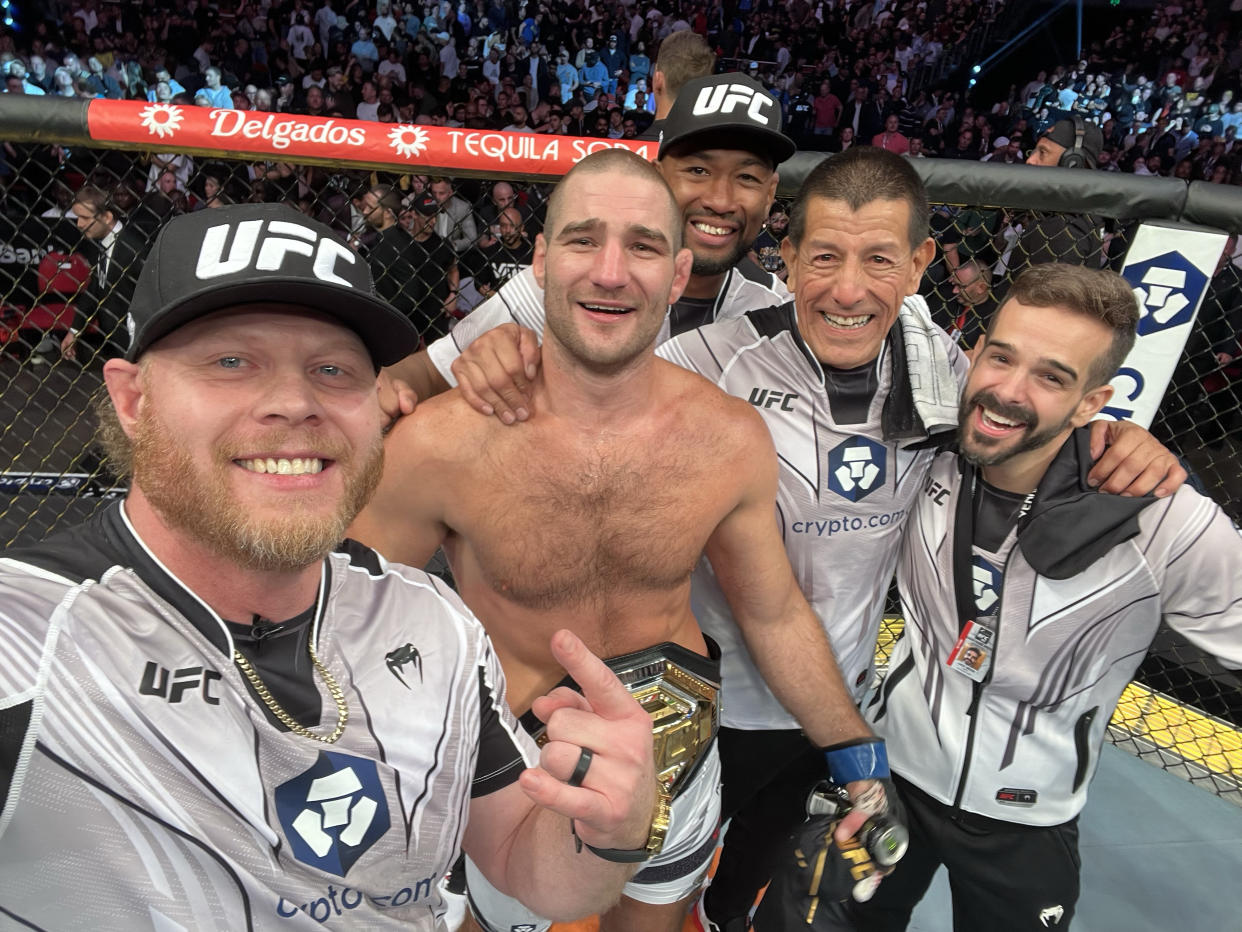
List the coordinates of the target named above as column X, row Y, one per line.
column 1059, row 592
column 214, row 715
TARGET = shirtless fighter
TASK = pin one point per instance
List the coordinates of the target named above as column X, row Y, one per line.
column 593, row 515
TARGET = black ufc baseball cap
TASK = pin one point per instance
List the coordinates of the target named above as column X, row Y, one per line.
column 212, row 260
column 727, row 111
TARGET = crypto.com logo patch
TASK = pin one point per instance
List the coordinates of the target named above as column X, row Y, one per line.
column 856, row 468
column 334, row 812
column 1168, row 289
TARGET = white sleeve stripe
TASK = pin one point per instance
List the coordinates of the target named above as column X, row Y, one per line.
column 34, row 725
column 24, row 653
column 391, row 571
column 527, row 305
column 32, row 569
column 738, row 354
column 442, row 353
column 674, row 353
column 1190, row 545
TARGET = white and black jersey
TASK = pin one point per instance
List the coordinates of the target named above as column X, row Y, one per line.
column 144, row 786
column 520, row 301
column 847, row 482
column 1071, row 597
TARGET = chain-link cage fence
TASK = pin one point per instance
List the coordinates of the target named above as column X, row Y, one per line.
column 438, row 246
column 77, row 223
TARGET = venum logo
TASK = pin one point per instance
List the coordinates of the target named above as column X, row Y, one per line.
column 397, row 659
column 334, row 812
column 283, row 239
column 1051, row 916
column 856, row 468
column 725, row 98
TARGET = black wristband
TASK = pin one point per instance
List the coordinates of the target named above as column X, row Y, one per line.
column 619, row 855
column 615, row 855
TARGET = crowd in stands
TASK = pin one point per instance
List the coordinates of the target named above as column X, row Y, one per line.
column 1164, row 92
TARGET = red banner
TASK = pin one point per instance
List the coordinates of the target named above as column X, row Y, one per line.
column 293, row 137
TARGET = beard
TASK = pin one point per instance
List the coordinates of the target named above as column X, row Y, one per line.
column 607, row 359
column 195, row 498
column 718, row 265
column 989, row 451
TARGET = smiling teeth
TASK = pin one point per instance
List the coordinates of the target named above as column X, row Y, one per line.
column 849, row 323
column 1003, row 421
column 714, row 231
column 606, row 310
column 283, row 467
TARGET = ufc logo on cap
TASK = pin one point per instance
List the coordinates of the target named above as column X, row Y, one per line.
column 282, row 240
column 725, row 98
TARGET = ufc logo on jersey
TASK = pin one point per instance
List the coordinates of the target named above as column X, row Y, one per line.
column 935, row 491
column 155, row 682
column 280, row 243
column 725, row 98
column 771, row 398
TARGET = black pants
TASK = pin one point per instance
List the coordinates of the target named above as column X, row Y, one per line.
column 1003, row 875
column 765, row 779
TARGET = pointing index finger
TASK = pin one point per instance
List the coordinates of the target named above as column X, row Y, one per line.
column 599, row 685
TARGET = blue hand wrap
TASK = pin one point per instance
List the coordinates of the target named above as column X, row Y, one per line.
column 865, row 760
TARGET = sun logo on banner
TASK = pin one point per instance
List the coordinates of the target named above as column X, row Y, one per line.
column 407, row 140
column 161, row 119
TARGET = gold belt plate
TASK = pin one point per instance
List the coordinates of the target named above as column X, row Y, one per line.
column 684, row 715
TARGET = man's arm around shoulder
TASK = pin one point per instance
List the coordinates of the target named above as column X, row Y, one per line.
column 419, row 372
column 404, row 519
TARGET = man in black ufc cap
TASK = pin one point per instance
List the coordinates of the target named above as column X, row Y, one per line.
column 213, row 714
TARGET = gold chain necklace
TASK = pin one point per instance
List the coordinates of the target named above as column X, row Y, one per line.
column 342, row 707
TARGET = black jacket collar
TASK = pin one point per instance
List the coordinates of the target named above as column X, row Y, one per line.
column 106, row 540
column 1071, row 525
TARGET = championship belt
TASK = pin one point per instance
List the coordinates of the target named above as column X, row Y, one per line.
column 678, row 689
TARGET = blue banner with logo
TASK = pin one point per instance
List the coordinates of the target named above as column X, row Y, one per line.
column 1169, row 268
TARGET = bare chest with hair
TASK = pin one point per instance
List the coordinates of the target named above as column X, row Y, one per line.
column 559, row 520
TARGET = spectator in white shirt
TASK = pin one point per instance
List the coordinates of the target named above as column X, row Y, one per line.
column 368, row 107
column 491, row 67
column 202, row 54
column 300, row 36
column 448, row 54
column 392, row 67
column 384, row 21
